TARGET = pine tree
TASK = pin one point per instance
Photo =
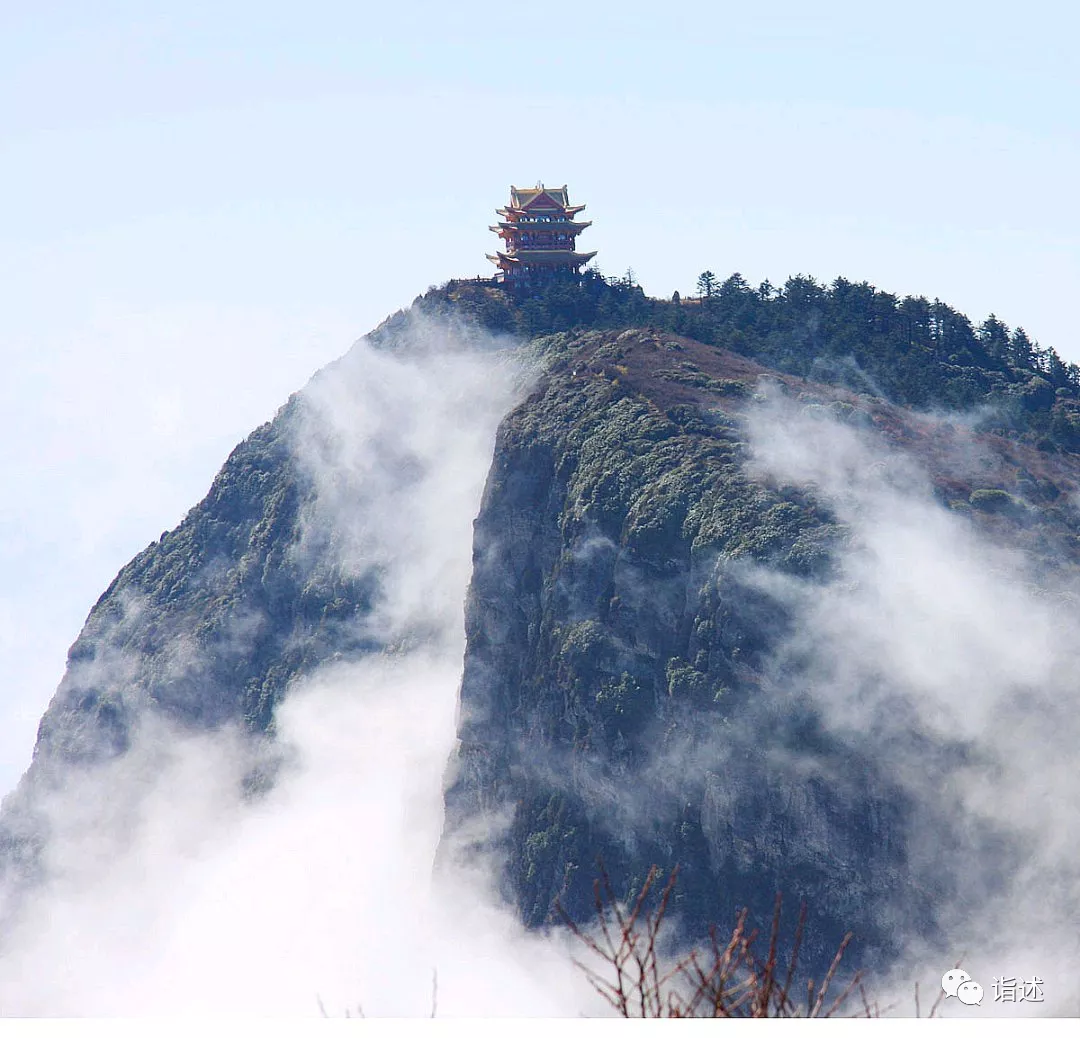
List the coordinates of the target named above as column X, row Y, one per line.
column 706, row 284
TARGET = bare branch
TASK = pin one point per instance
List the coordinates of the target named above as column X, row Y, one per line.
column 722, row 978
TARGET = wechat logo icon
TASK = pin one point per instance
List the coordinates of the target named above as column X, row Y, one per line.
column 958, row 983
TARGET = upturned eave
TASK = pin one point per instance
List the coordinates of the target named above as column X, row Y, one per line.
column 576, row 226
column 548, row 257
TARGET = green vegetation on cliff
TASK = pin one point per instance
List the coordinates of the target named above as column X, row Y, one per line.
column 911, row 350
column 625, row 694
column 622, row 695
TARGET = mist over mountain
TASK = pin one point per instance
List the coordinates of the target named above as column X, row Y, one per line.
column 777, row 585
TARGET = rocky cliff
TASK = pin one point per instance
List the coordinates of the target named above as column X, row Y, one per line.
column 634, row 688
column 642, row 681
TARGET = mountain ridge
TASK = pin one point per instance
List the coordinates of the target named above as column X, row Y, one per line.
column 616, row 602
column 566, row 652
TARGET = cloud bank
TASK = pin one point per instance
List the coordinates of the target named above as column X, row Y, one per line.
column 170, row 892
column 935, row 649
column 945, row 655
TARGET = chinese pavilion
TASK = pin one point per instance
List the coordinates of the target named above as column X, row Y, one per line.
column 539, row 229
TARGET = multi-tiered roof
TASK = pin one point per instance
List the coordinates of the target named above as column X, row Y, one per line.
column 539, row 229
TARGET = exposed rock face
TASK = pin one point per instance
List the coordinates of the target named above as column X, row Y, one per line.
column 210, row 623
column 205, row 627
column 274, row 573
column 629, row 692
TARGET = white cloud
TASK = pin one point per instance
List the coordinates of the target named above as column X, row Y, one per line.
column 95, row 465
column 936, row 652
column 169, row 894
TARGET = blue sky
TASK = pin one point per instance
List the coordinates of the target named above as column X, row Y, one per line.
column 204, row 203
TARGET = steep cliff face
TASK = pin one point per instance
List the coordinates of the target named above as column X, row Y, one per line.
column 211, row 622
column 205, row 627
column 296, row 558
column 671, row 542
column 634, row 688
